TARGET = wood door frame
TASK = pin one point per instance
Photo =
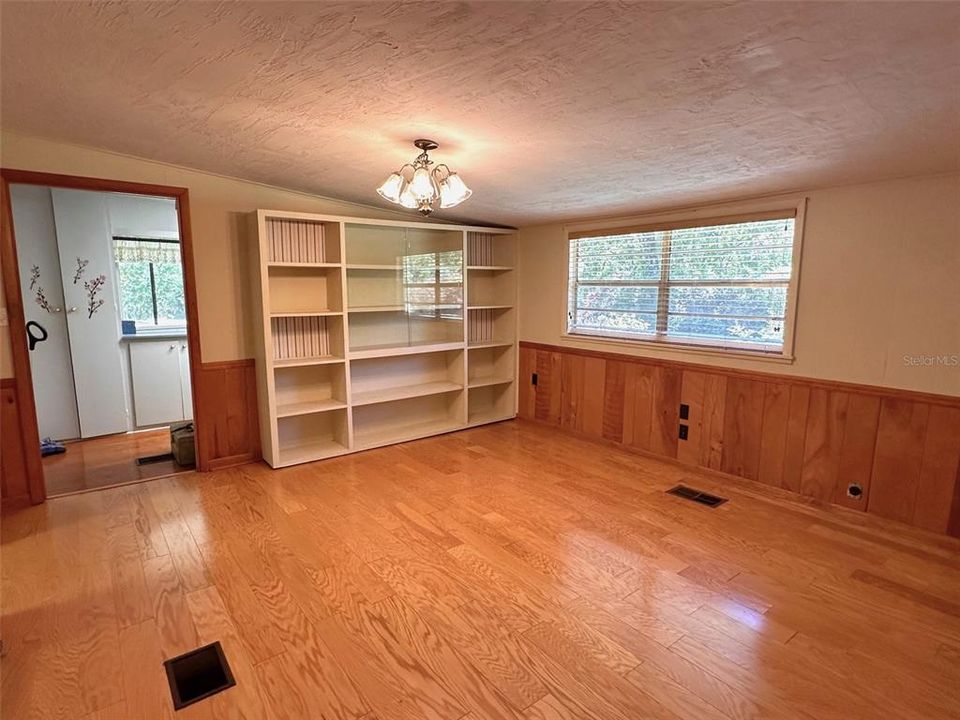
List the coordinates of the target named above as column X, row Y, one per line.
column 14, row 297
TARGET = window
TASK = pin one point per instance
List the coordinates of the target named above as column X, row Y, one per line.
column 723, row 283
column 150, row 278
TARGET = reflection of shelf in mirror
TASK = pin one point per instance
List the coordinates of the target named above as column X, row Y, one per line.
column 493, row 268
column 301, row 362
column 489, row 307
column 308, row 407
column 305, row 313
column 403, row 432
column 403, row 392
column 302, row 265
column 315, row 450
column 375, row 351
column 355, row 266
column 490, row 344
column 490, row 380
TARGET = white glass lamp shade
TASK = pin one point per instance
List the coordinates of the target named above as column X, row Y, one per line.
column 453, row 191
column 391, row 188
column 422, row 186
column 407, row 198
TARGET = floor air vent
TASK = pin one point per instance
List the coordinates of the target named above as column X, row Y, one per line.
column 198, row 674
column 150, row 459
column 696, row 495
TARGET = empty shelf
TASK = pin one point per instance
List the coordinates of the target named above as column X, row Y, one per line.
column 315, row 450
column 488, row 415
column 375, row 351
column 490, row 344
column 309, row 406
column 300, row 362
column 489, row 307
column 491, row 380
column 403, row 392
column 496, row 268
column 402, row 432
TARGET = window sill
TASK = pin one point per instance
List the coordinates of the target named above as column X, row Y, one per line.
column 757, row 355
column 148, row 336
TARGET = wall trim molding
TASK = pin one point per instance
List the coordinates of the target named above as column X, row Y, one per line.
column 759, row 375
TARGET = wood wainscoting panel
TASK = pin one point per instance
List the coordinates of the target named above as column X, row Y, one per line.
column 549, row 386
column 939, row 469
column 897, row 458
column 230, row 431
column 692, row 388
column 856, row 453
column 826, row 419
column 806, row 436
column 581, row 394
column 796, row 438
column 614, row 389
column 665, row 419
column 13, row 466
column 743, row 422
column 773, row 434
column 527, row 398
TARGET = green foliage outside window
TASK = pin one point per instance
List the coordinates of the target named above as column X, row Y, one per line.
column 152, row 303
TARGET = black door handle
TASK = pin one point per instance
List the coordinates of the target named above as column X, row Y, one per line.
column 40, row 337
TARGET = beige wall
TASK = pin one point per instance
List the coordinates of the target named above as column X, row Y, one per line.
column 880, row 280
column 217, row 209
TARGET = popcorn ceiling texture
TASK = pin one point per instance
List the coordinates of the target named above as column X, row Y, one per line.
column 550, row 110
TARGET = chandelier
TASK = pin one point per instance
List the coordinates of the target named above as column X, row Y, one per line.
column 418, row 187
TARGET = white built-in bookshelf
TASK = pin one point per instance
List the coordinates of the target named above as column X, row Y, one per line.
column 373, row 332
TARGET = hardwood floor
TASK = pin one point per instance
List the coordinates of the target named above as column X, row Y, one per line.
column 510, row 571
column 108, row 460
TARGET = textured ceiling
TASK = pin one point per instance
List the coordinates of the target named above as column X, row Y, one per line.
column 548, row 110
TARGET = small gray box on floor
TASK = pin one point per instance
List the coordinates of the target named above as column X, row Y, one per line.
column 183, row 444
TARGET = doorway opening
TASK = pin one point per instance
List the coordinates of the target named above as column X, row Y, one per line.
column 105, row 312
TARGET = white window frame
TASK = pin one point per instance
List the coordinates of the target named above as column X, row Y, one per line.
column 741, row 211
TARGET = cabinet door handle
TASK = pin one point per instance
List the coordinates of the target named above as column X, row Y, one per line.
column 73, row 310
column 56, row 310
column 173, row 347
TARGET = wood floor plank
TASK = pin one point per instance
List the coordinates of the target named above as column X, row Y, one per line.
column 144, row 682
column 453, row 670
column 214, row 624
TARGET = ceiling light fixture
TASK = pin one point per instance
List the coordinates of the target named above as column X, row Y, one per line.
column 418, row 187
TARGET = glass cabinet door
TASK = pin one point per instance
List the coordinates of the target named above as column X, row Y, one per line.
column 404, row 287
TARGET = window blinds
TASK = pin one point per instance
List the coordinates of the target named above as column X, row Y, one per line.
column 721, row 282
